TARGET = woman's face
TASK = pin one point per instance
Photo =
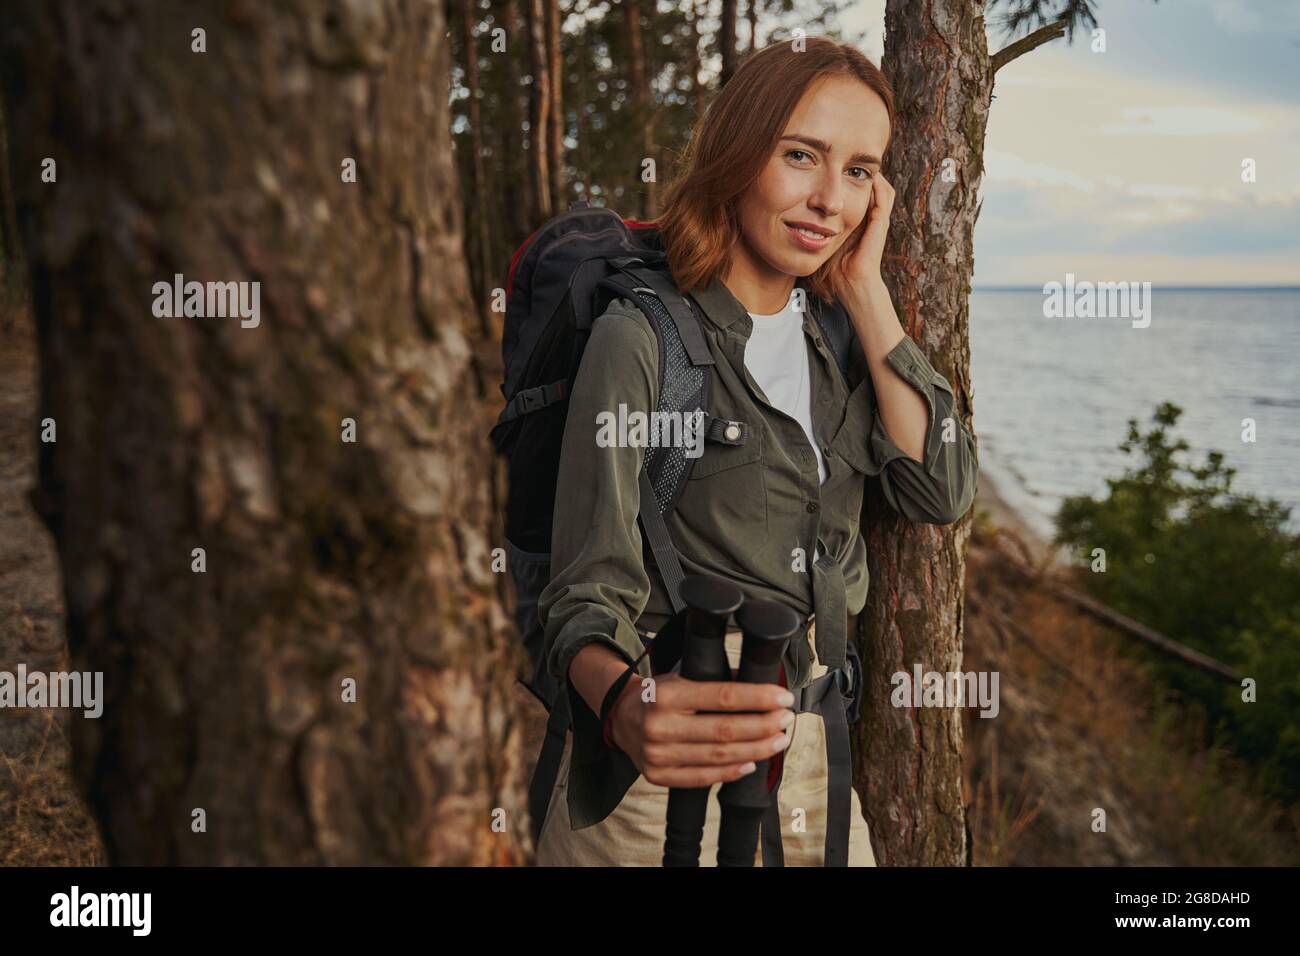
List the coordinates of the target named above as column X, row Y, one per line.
column 819, row 174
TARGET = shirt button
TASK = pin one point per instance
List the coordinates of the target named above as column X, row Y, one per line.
column 732, row 432
column 813, row 507
column 826, row 451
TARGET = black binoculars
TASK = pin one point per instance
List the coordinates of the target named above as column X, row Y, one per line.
column 767, row 627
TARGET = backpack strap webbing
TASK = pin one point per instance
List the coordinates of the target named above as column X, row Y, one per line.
column 528, row 400
column 548, row 762
column 821, row 697
column 661, row 545
column 688, row 326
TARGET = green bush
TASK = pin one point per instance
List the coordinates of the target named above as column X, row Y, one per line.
column 1212, row 569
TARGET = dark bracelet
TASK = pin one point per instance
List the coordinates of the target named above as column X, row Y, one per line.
column 607, row 704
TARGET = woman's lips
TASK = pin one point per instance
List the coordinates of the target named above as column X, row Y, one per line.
column 806, row 241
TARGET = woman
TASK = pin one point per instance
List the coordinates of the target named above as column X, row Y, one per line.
column 781, row 199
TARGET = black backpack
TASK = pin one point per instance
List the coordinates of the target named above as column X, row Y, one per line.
column 560, row 280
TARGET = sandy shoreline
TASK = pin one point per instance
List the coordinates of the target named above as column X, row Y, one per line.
column 990, row 500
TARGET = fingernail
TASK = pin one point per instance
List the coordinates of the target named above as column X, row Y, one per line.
column 787, row 719
column 778, row 743
column 785, row 699
column 749, row 767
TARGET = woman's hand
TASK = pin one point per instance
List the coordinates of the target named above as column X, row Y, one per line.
column 856, row 279
column 674, row 746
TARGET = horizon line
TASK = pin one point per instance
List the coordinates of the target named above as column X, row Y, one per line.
column 1188, row 288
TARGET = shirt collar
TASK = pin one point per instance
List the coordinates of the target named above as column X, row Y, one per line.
column 722, row 308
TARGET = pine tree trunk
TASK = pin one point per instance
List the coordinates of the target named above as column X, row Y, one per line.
column 482, row 217
column 638, row 84
column 325, row 561
column 539, row 111
column 727, row 42
column 584, row 124
column 510, row 122
column 909, row 760
column 693, row 55
column 555, row 126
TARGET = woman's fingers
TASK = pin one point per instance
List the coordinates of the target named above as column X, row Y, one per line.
column 696, row 776
column 670, row 726
column 698, row 733
column 716, row 755
column 681, row 694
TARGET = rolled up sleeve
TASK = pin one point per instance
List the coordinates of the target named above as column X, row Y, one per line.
column 941, row 487
column 599, row 586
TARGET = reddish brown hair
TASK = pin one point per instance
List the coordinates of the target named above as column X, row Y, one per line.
column 731, row 144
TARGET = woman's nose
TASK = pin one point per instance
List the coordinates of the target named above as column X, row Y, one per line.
column 828, row 198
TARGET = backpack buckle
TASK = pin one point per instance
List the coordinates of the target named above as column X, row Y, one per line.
column 539, row 396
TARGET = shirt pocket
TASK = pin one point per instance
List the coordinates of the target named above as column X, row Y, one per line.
column 727, row 491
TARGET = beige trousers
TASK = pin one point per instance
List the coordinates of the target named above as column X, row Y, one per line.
column 633, row 834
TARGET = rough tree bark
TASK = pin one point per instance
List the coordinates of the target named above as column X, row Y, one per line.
column 10, row 247
column 325, row 560
column 909, row 761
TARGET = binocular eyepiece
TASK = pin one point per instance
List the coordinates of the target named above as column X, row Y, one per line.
column 767, row 627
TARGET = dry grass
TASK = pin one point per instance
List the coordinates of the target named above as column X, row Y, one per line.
column 43, row 819
column 1081, row 729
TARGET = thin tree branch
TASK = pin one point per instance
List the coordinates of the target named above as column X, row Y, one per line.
column 1045, row 34
column 1127, row 625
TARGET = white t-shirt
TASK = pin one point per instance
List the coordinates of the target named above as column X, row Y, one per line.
column 777, row 356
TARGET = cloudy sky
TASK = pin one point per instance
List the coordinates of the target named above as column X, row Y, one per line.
column 1127, row 164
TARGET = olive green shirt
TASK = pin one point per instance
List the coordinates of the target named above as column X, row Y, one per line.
column 750, row 512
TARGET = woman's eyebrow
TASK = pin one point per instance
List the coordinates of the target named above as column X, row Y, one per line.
column 826, row 148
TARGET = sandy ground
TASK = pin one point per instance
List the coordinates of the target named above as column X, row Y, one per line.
column 990, row 505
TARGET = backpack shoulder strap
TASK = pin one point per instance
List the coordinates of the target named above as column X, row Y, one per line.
column 684, row 361
column 837, row 330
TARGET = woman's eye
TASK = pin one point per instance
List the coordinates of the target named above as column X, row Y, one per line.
column 866, row 173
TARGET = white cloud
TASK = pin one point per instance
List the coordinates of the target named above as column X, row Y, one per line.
column 1156, row 213
column 1181, row 121
column 1008, row 167
column 1234, row 15
column 1255, row 16
column 1164, row 190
